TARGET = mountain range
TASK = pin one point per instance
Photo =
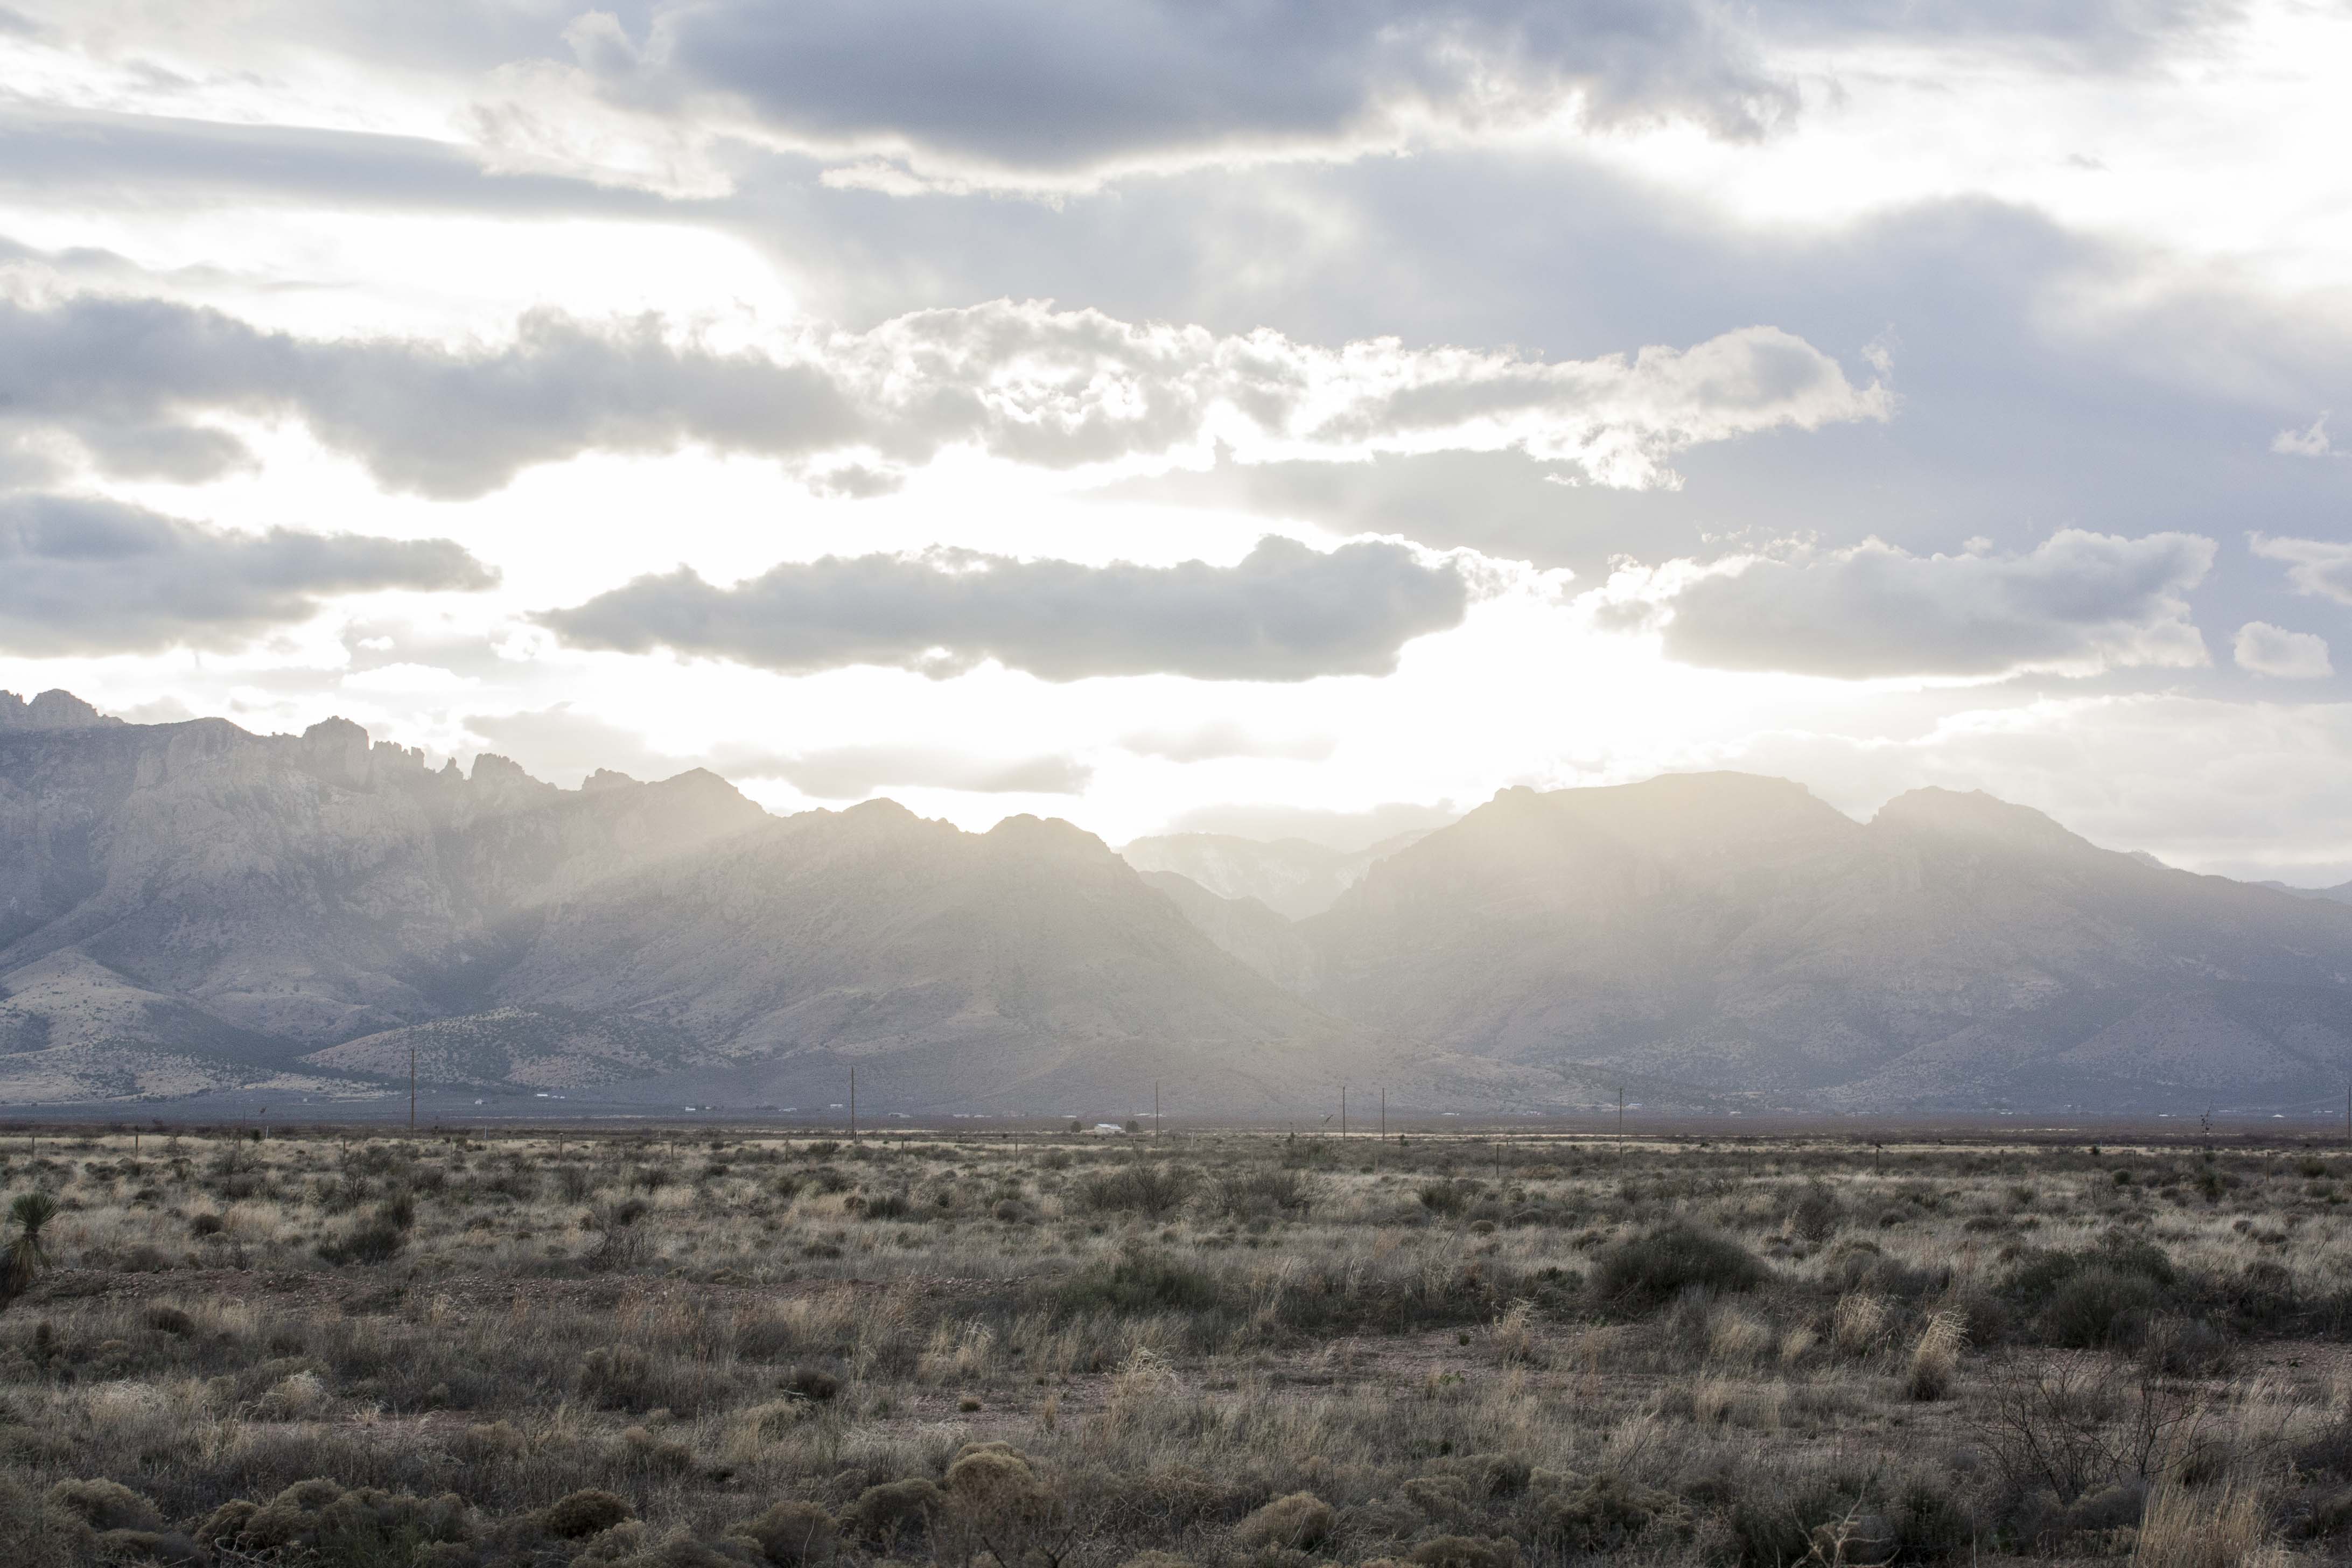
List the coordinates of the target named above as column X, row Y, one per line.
column 191, row 910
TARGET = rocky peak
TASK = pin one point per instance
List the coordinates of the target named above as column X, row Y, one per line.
column 1974, row 817
column 51, row 710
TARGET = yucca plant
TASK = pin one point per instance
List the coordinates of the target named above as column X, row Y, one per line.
column 25, row 1256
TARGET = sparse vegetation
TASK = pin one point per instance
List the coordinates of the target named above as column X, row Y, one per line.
column 640, row 1349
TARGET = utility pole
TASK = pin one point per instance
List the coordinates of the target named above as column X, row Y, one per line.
column 853, row 1105
column 1620, row 1118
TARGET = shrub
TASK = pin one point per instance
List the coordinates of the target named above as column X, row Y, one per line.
column 620, row 1376
column 1465, row 1551
column 813, row 1383
column 36, row 1532
column 1137, row 1282
column 378, row 1240
column 1264, row 1193
column 1936, row 1359
column 106, row 1505
column 1148, row 1188
column 2097, row 1306
column 1646, row 1271
column 578, row 1515
column 318, row 1519
column 791, row 1534
column 165, row 1319
column 1858, row 1322
column 26, row 1255
column 622, row 1245
column 894, row 1511
column 1817, row 1212
column 2192, row 1529
column 1301, row 1522
column 1601, row 1513
column 1446, row 1198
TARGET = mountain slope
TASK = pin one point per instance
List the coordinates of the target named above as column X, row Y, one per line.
column 1956, row 950
column 1242, row 927
column 317, row 905
column 191, row 908
column 998, row 970
column 1292, row 877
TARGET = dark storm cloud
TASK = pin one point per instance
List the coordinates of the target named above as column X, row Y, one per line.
column 1282, row 613
column 97, row 576
column 132, row 378
column 2080, row 602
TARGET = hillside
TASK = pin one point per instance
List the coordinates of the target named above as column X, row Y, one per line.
column 1955, row 950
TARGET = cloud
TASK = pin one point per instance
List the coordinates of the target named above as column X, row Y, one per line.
column 409, row 680
column 2312, row 441
column 905, row 96
column 99, row 577
column 2077, row 603
column 567, row 746
column 2266, row 649
column 2236, row 788
column 130, row 379
column 908, row 94
column 1284, row 613
column 1224, row 738
column 1345, row 831
column 852, row 772
column 2319, row 567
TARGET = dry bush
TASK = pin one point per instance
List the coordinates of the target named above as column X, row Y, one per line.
column 895, row 1513
column 2212, row 1527
column 1647, row 1271
column 1858, row 1325
column 578, row 1515
column 1735, row 1337
column 1514, row 1332
column 791, row 1534
column 1301, row 1522
column 36, row 1532
column 106, row 1505
column 1935, row 1358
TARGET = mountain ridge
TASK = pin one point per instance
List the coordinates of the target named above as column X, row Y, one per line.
column 189, row 907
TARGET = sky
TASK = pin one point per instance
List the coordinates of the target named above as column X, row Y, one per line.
column 1264, row 418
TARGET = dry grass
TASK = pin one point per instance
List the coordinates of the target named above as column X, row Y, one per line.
column 1456, row 1354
